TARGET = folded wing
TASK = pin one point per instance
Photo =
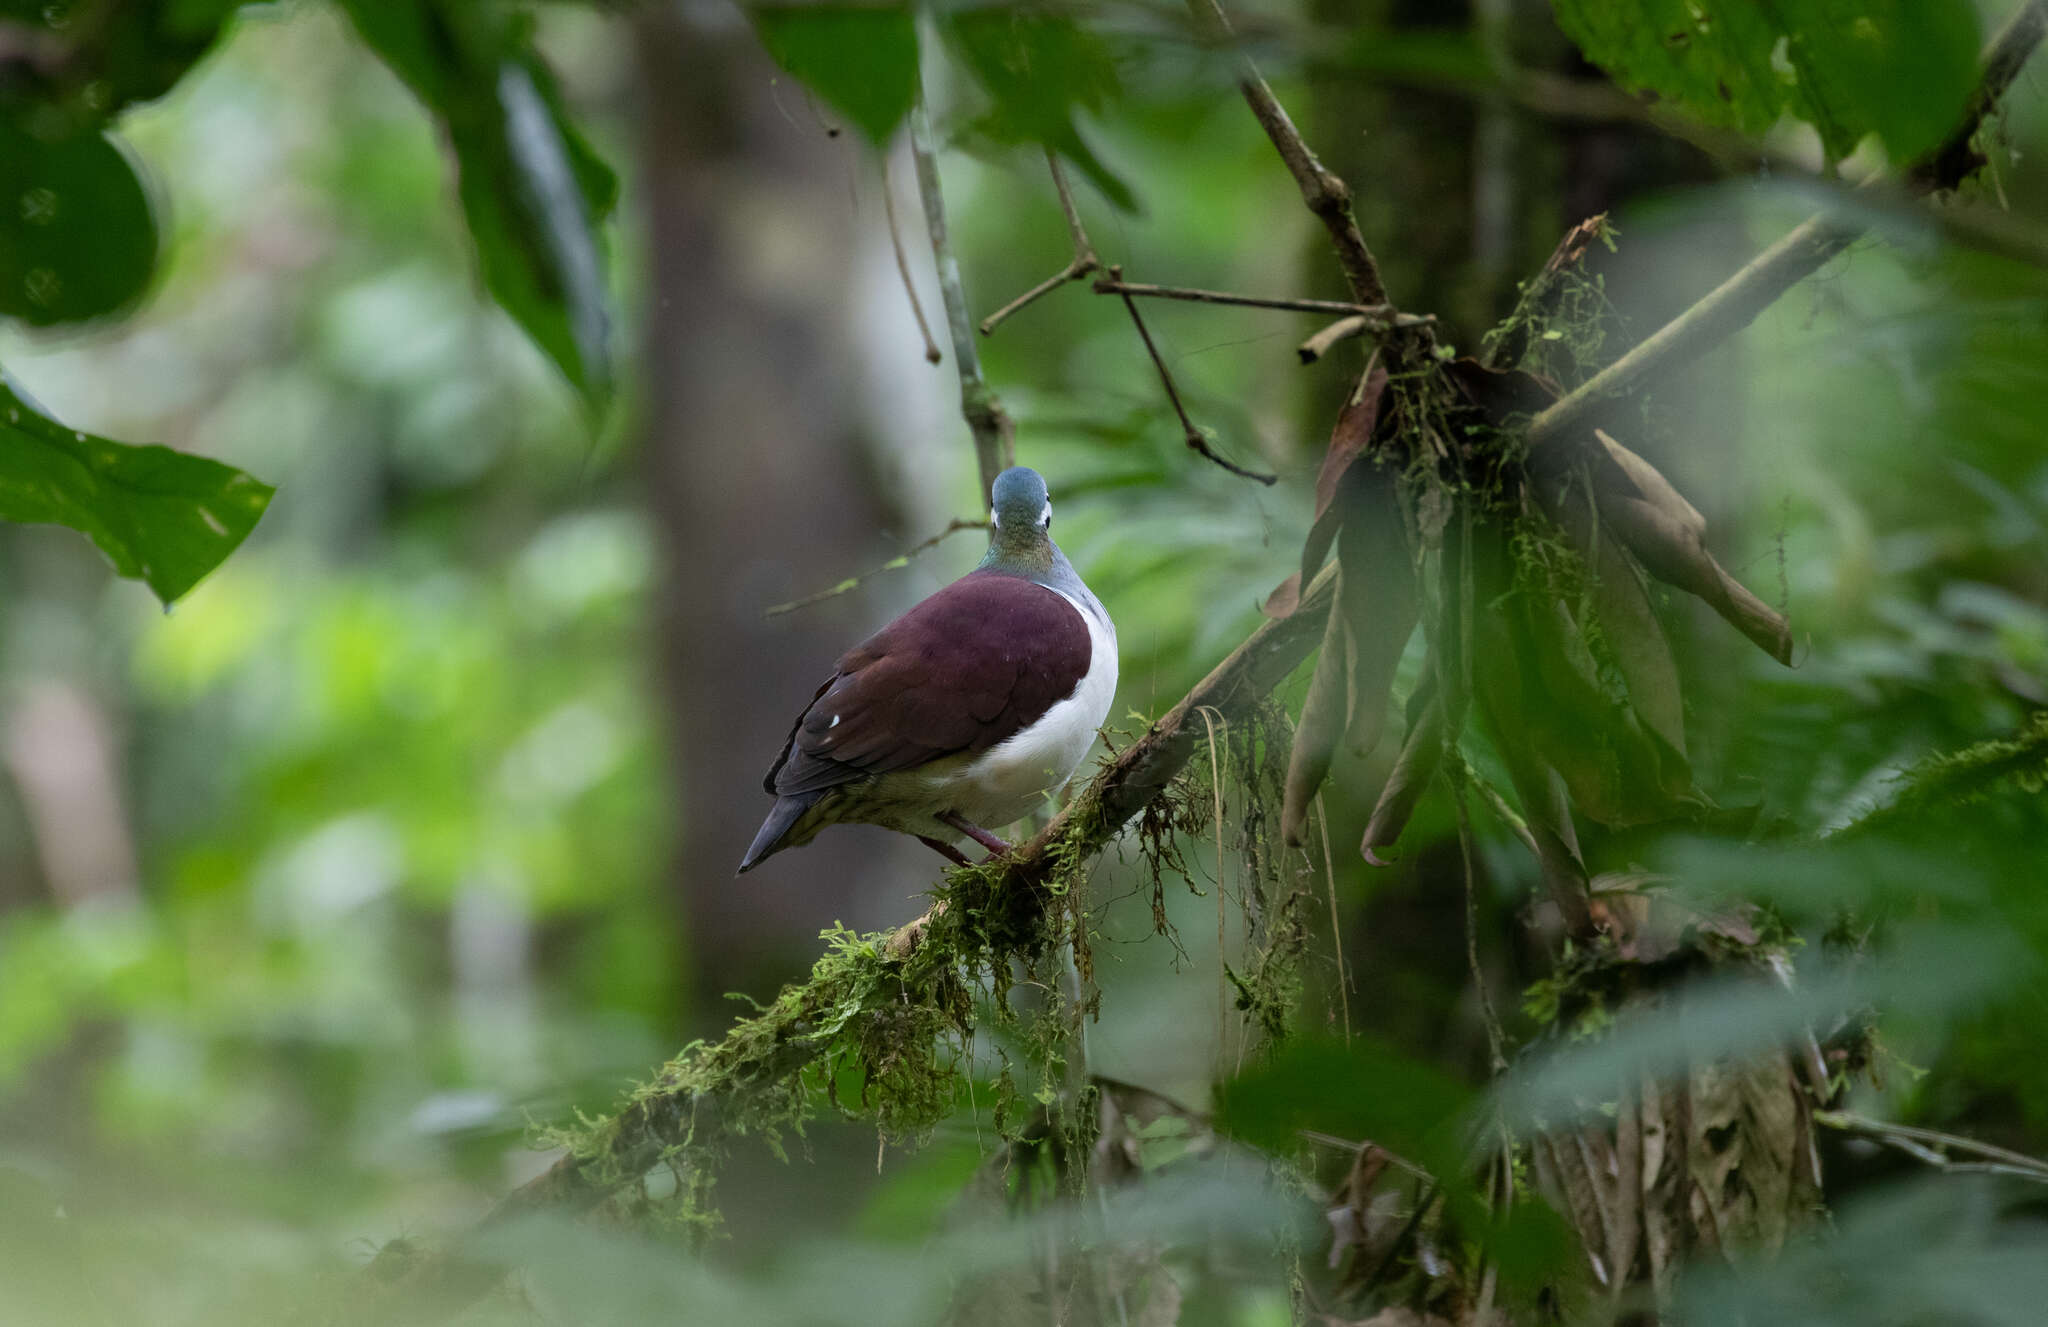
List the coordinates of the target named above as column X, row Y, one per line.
column 978, row 662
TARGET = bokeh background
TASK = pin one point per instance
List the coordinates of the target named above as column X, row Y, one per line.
column 413, row 826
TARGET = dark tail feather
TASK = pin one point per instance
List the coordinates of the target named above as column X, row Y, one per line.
column 768, row 842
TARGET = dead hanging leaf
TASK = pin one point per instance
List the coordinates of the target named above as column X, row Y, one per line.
column 1421, row 754
column 1668, row 535
column 1715, row 1157
column 1356, row 424
column 1593, row 1174
column 1286, row 597
column 1322, row 722
column 1675, row 555
column 1633, row 477
column 1377, row 594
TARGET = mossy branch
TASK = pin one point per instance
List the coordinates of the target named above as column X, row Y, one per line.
column 1736, row 302
column 883, row 1007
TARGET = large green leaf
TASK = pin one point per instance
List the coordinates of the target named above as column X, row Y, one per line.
column 1901, row 69
column 1361, row 1091
column 861, row 59
column 1038, row 69
column 111, row 57
column 532, row 189
column 159, row 515
column 78, row 238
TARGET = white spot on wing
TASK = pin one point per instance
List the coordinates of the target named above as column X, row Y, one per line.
column 834, row 723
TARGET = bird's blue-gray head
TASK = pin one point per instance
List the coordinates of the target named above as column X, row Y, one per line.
column 1021, row 512
column 1018, row 501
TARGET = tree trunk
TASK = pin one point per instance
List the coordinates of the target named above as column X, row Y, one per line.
column 758, row 485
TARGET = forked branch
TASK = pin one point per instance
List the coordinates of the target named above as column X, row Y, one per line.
column 1084, row 260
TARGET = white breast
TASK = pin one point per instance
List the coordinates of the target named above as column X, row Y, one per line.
column 1014, row 777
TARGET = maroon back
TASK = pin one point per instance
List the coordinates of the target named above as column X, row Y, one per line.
column 977, row 662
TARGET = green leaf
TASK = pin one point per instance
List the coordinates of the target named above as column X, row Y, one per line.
column 160, row 516
column 77, row 235
column 1038, row 69
column 1359, row 1091
column 108, row 64
column 860, row 59
column 532, row 190
column 1901, row 69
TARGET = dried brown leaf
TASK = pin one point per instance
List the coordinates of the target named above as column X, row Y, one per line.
column 1322, row 722
column 1285, row 598
column 1674, row 554
column 1630, row 476
column 1421, row 754
column 1354, row 430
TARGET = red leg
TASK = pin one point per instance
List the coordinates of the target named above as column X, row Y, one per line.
column 974, row 831
column 946, row 850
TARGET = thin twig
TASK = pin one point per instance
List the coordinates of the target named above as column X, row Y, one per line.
column 1084, row 260
column 1336, row 928
column 1496, row 1039
column 1933, row 1146
column 1222, row 945
column 852, row 583
column 1736, row 302
column 1194, row 436
column 995, row 446
column 1383, row 314
column 931, row 347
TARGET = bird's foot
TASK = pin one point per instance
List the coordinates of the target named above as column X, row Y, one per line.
column 945, row 850
column 973, row 831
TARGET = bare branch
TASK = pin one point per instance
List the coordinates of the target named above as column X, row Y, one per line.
column 1385, row 315
column 852, row 583
column 1084, row 260
column 995, row 434
column 1326, row 195
column 924, row 329
column 1736, row 302
column 1197, row 441
column 1933, row 1147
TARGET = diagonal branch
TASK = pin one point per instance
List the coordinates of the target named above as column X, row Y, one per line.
column 1197, row 440
column 995, row 434
column 1736, row 302
column 1325, row 194
column 774, row 1053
